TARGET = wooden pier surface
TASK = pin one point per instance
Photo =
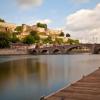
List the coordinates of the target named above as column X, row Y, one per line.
column 87, row 88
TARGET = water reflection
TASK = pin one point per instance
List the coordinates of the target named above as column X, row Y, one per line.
column 31, row 77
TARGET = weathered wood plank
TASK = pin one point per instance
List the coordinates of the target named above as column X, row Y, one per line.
column 87, row 88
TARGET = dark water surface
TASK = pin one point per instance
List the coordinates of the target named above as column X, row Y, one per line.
column 30, row 77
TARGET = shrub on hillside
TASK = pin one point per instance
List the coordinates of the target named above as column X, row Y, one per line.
column 4, row 40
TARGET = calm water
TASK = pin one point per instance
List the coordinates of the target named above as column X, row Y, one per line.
column 30, row 77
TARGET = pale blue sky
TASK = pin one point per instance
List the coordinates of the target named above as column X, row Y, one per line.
column 55, row 10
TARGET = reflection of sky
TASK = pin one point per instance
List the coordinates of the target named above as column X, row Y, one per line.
column 28, row 79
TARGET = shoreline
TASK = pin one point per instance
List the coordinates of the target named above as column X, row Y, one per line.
column 19, row 52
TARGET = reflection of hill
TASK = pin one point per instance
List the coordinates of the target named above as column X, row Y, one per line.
column 22, row 70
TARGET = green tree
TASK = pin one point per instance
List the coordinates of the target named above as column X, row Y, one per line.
column 18, row 29
column 32, row 38
column 61, row 34
column 76, row 42
column 71, row 41
column 29, row 39
column 42, row 25
column 14, row 38
column 59, row 41
column 35, row 35
column 4, row 40
column 2, row 20
column 68, row 35
column 47, row 40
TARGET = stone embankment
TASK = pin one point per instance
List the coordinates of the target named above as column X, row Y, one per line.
column 4, row 52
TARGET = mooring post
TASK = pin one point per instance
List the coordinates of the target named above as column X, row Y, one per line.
column 42, row 98
column 62, row 98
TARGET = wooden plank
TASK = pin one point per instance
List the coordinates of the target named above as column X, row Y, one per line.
column 87, row 88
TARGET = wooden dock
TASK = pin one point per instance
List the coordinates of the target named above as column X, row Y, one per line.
column 87, row 88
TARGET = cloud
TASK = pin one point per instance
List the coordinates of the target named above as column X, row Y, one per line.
column 44, row 21
column 29, row 3
column 85, row 23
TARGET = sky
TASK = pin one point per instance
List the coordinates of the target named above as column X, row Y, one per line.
column 80, row 18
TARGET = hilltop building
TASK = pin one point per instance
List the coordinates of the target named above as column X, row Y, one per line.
column 42, row 32
column 26, row 29
column 7, row 27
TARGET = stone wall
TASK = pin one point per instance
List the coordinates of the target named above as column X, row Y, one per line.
column 13, row 52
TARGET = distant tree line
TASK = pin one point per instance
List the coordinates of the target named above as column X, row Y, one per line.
column 2, row 20
column 42, row 25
